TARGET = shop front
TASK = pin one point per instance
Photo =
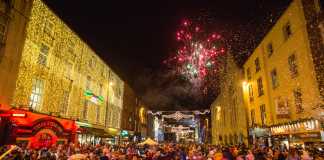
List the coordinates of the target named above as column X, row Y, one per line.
column 37, row 130
column 259, row 136
column 91, row 134
column 114, row 137
column 126, row 136
column 302, row 132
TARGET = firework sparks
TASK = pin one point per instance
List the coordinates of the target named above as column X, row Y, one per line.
column 197, row 54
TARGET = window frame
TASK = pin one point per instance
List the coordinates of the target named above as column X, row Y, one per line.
column 37, row 93
column 274, row 78
column 88, row 83
column 260, row 87
column 270, row 49
column 97, row 114
column 43, row 56
column 298, row 100
column 293, row 66
column 69, row 70
column 287, row 31
column 65, row 102
column 85, row 110
column 251, row 97
column 257, row 65
column 252, row 114
column 248, row 73
column 263, row 114
column 49, row 27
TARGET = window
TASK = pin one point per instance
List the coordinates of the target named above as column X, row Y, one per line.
column 92, row 62
column 42, row 57
column 3, row 27
column 263, row 114
column 252, row 117
column 251, row 92
column 100, row 89
column 257, row 65
column 68, row 70
column 103, row 71
column 274, row 79
column 48, row 27
column 71, row 46
column 287, row 31
column 65, row 102
column 85, row 110
column 248, row 73
column 88, row 82
column 298, row 100
column 293, row 65
column 269, row 49
column 260, row 87
column 37, row 94
column 97, row 113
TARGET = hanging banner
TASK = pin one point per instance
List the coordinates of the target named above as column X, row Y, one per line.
column 99, row 100
column 282, row 108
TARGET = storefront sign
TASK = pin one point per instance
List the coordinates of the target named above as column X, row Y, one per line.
column 296, row 127
column 52, row 125
column 309, row 135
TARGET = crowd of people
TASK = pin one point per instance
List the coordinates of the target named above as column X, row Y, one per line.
column 168, row 151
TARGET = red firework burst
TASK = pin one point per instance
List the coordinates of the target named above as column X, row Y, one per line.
column 198, row 52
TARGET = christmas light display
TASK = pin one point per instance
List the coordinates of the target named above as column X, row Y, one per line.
column 196, row 112
column 198, row 52
column 178, row 116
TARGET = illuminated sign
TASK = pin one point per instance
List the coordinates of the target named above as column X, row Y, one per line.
column 94, row 98
column 52, row 125
column 13, row 115
column 19, row 114
column 124, row 133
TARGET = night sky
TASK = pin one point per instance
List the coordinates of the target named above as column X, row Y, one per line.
column 134, row 37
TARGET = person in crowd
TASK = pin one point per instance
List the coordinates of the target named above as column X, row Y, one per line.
column 165, row 151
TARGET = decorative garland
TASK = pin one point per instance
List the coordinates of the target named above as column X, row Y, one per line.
column 178, row 116
column 195, row 112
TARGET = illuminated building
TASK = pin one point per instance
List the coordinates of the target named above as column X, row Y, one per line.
column 228, row 112
column 59, row 75
column 284, row 82
column 141, row 121
column 13, row 17
column 129, row 113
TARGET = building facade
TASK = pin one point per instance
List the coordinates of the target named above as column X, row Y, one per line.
column 282, row 82
column 228, row 112
column 13, row 19
column 129, row 111
column 141, row 121
column 58, row 74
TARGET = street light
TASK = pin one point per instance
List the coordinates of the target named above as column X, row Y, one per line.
column 244, row 84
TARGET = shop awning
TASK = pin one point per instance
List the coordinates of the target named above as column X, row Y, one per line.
column 95, row 131
column 113, row 131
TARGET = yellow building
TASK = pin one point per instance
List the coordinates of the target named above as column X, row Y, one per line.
column 13, row 17
column 228, row 112
column 58, row 73
column 281, row 80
